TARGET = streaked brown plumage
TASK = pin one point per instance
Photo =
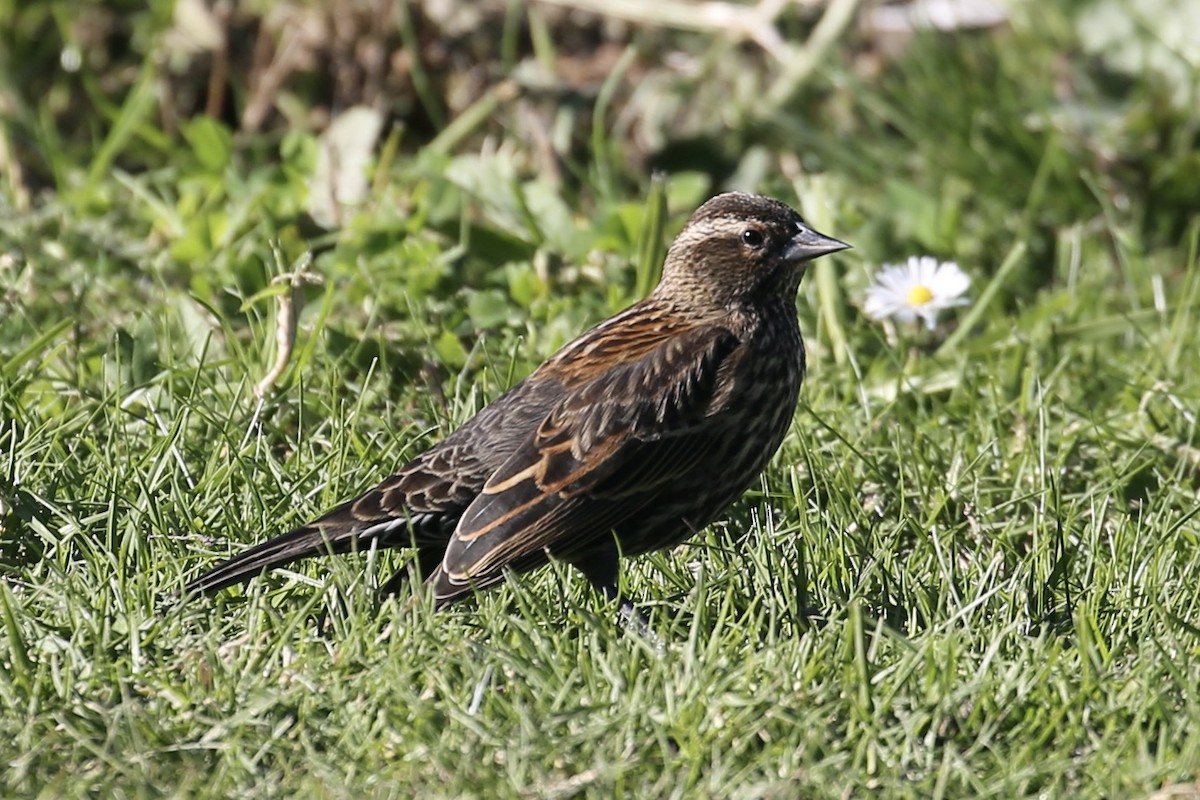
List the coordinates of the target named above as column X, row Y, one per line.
column 631, row 438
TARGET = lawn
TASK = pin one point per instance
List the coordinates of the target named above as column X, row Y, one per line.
column 972, row 570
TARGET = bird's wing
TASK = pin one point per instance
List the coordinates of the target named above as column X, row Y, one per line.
column 621, row 430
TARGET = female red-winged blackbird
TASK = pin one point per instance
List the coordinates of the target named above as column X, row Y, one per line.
column 631, row 438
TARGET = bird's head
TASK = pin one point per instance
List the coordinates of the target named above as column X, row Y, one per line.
column 741, row 248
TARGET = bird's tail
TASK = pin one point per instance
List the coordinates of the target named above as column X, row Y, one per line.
column 343, row 529
column 314, row 539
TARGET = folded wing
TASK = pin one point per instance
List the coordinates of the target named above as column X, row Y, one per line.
column 630, row 420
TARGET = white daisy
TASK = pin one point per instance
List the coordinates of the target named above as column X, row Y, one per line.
column 920, row 288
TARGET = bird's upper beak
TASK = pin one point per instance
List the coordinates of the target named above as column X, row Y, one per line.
column 809, row 244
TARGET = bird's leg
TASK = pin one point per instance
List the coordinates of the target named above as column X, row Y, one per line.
column 420, row 566
column 601, row 569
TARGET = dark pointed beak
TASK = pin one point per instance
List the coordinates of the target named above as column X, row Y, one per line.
column 808, row 244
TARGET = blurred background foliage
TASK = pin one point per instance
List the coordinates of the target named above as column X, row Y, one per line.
column 469, row 167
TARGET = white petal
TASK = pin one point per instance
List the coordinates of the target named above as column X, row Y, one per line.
column 951, row 280
column 926, row 269
column 879, row 305
column 895, row 278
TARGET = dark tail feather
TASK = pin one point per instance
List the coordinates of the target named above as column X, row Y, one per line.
column 341, row 530
column 303, row 542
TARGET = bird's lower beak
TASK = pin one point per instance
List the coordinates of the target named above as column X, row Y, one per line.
column 808, row 244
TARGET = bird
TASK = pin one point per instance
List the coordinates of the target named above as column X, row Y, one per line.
column 632, row 438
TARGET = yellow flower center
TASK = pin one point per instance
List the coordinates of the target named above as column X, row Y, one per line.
column 919, row 296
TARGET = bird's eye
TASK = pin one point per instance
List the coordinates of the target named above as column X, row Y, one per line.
column 752, row 237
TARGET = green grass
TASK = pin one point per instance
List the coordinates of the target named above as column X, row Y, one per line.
column 973, row 570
